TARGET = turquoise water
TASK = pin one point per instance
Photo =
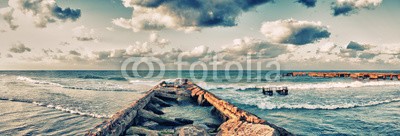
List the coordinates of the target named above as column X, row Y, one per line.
column 73, row 101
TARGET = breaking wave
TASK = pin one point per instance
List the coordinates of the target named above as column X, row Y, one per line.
column 58, row 107
column 270, row 106
column 144, row 82
column 72, row 111
column 324, row 85
column 30, row 80
column 99, row 89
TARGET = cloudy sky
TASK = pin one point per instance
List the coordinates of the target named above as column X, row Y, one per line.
column 101, row 34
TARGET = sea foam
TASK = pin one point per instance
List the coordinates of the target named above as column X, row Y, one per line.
column 269, row 105
column 33, row 81
column 302, row 86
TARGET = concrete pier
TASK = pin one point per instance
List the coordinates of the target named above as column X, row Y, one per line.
column 233, row 120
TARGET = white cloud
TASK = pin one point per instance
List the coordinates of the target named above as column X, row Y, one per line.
column 155, row 39
column 194, row 55
column 326, row 48
column 254, row 47
column 348, row 7
column 294, row 32
column 362, row 54
column 81, row 33
column 7, row 14
column 44, row 11
column 139, row 49
column 19, row 48
column 110, row 29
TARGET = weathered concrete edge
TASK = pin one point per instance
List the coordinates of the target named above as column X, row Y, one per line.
column 123, row 119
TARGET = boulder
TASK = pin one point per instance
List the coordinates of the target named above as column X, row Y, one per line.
column 154, row 109
column 184, row 100
column 150, row 124
column 212, row 125
column 141, row 131
column 191, row 130
column 241, row 128
column 157, row 118
column 202, row 101
column 166, row 96
column 160, row 102
column 184, row 121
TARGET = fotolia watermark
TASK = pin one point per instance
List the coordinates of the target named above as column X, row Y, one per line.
column 247, row 70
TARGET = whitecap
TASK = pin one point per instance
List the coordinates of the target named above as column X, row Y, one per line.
column 303, row 86
column 30, row 80
column 270, row 106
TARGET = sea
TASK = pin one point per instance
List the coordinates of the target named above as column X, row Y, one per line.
column 71, row 102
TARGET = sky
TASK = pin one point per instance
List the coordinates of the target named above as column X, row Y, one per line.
column 102, row 34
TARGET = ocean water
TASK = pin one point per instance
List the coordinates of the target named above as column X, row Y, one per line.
column 71, row 102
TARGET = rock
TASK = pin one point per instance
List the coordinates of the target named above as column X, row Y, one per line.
column 154, row 109
column 184, row 121
column 202, row 101
column 167, row 132
column 141, row 131
column 160, row 102
column 191, row 130
column 157, row 118
column 212, row 125
column 166, row 96
column 184, row 100
column 150, row 124
column 241, row 128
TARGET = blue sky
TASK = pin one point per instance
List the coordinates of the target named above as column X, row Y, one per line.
column 108, row 31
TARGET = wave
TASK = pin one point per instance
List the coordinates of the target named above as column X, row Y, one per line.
column 30, row 80
column 33, row 81
column 145, row 82
column 58, row 107
column 118, row 79
column 91, row 77
column 68, row 110
column 353, row 84
column 99, row 89
column 324, row 85
column 271, row 106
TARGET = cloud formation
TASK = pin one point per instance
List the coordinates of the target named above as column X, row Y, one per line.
column 81, row 33
column 139, row 49
column 7, row 14
column 155, row 39
column 254, row 47
column 357, row 46
column 353, row 54
column 348, row 7
column 326, row 48
column 292, row 31
column 19, row 48
column 73, row 52
column 307, row 3
column 187, row 15
column 9, row 56
column 44, row 11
